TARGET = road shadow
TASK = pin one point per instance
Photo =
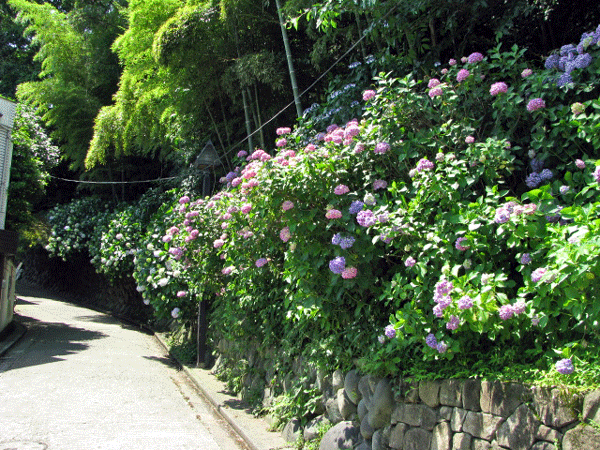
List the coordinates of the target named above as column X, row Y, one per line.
column 45, row 343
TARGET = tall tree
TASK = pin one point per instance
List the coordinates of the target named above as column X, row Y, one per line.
column 78, row 74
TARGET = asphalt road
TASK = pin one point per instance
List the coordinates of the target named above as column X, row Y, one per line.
column 81, row 380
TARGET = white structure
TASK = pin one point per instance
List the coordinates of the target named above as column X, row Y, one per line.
column 8, row 239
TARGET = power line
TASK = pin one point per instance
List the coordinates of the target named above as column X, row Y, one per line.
column 112, row 182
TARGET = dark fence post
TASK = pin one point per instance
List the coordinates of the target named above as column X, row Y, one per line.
column 202, row 327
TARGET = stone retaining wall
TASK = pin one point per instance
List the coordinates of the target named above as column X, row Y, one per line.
column 368, row 413
column 378, row 414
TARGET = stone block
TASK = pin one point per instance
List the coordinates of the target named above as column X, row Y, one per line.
column 429, row 393
column 414, row 414
column 543, row 446
column 337, row 380
column 445, row 413
column 333, row 411
column 397, row 436
column 364, row 445
column 451, row 393
column 548, row 434
column 582, row 437
column 292, row 431
column 409, row 391
column 518, row 431
column 471, row 395
column 417, row 439
column 362, row 409
column 346, row 407
column 343, row 436
column 461, row 441
column 366, row 430
column 311, row 430
column 591, row 407
column 364, row 387
column 502, row 399
column 442, row 437
column 553, row 409
column 381, row 439
column 481, row 425
column 351, row 386
column 458, row 417
column 382, row 403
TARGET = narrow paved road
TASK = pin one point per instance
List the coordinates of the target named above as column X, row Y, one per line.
column 81, row 380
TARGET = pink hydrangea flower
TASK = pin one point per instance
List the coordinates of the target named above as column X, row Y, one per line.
column 469, row 139
column 183, row 200
column 444, row 71
column 580, row 163
column 242, row 153
column 535, row 104
column 227, row 270
column 435, row 92
column 433, row 83
column 368, row 94
column 287, row 205
column 281, row 142
column 498, row 88
column 379, row 184
column 506, row 312
column 246, row 208
column 349, row 272
column 462, row 75
column 285, row 234
column 333, row 214
column 341, row 189
column 283, row 130
column 526, row 73
column 452, row 62
column 410, row 262
column 181, row 294
column 218, row 243
column 474, row 58
column 382, row 147
column 459, row 246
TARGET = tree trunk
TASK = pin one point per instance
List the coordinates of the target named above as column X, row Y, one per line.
column 288, row 54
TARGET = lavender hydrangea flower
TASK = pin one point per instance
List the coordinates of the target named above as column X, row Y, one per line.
column 546, row 174
column 475, row 57
column 424, row 164
column 382, row 147
column 347, row 242
column 435, row 92
column 336, row 239
column 502, row 215
column 505, row 312
column 366, row 218
column 525, row 259
column 356, row 207
column 552, row 61
column 433, row 83
column 410, row 262
column 563, row 80
column 538, row 274
column 337, row 265
column 533, row 180
column 580, row 163
column 390, row 331
column 261, row 262
column 431, row 341
column 462, row 75
column 441, row 347
column 565, row 366
column 583, row 61
column 465, row 302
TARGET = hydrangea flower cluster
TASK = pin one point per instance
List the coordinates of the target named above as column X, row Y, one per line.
column 535, row 104
column 432, row 342
column 337, row 265
column 333, row 214
column 356, row 207
column 459, row 244
column 498, row 88
column 345, row 242
column 341, row 189
column 366, row 218
column 535, row 179
column 508, row 311
column 462, row 75
column 565, row 366
column 441, row 297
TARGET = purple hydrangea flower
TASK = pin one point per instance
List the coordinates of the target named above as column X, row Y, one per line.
column 596, row 174
column 424, row 164
column 356, row 207
column 433, row 83
column 533, row 180
column 535, row 104
column 379, row 184
column 502, row 215
column 506, row 312
column 538, row 274
column 261, row 262
column 435, row 92
column 336, row 239
column 465, row 302
column 366, row 218
column 347, row 242
column 546, row 174
column 525, row 259
column 441, row 347
column 561, row 81
column 458, row 244
column 337, row 265
column 565, row 366
column 582, row 61
column 390, row 331
column 552, row 62
column 341, row 189
column 453, row 323
column 475, row 57
column 431, row 341
column 382, row 147
column 462, row 75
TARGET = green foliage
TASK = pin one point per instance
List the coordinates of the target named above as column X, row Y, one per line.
column 78, row 74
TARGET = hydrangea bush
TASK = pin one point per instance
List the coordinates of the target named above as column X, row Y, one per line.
column 457, row 215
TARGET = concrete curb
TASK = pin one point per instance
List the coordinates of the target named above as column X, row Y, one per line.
column 11, row 336
column 253, row 431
